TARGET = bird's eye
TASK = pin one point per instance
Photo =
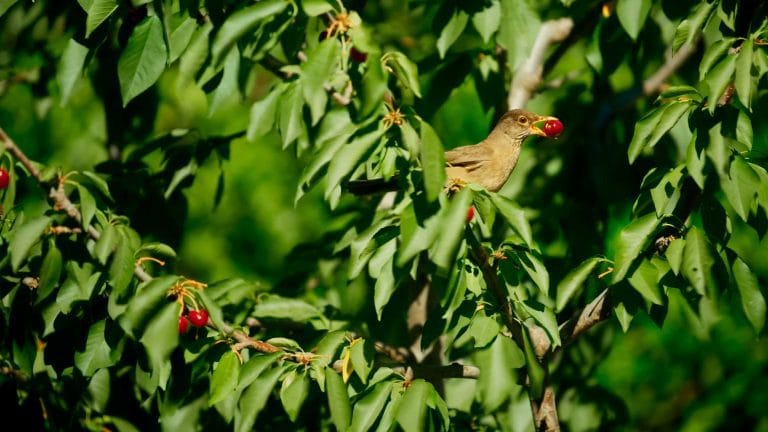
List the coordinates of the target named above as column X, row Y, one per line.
column 522, row 120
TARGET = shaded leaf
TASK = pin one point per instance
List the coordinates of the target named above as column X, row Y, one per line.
column 338, row 400
column 653, row 126
column 743, row 81
column 241, row 23
column 321, row 62
column 697, row 260
column 515, row 216
column 70, row 68
column 405, row 70
column 24, row 238
column 254, row 399
column 294, row 392
column 97, row 353
column 487, row 21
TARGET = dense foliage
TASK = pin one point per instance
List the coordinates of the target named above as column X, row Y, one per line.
column 180, row 250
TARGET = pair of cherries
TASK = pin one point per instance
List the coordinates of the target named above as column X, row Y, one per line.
column 198, row 318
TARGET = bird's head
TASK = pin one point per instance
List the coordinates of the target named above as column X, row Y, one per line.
column 519, row 123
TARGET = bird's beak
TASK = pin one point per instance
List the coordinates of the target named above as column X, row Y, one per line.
column 535, row 130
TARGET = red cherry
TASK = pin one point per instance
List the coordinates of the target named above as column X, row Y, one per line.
column 5, row 178
column 470, row 214
column 199, row 318
column 553, row 128
column 357, row 56
column 183, row 324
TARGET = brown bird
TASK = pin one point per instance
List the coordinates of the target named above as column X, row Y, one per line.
column 488, row 163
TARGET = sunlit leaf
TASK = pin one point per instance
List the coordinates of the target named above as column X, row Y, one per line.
column 224, row 377
column 515, row 216
column 70, row 68
column 404, row 69
column 294, row 392
column 412, row 411
column 97, row 353
column 632, row 15
column 743, row 81
column 368, row 408
column 321, row 61
column 143, row 59
column 98, row 11
column 227, row 90
column 452, row 31
column 650, row 129
column 633, row 240
column 338, row 400
column 452, row 223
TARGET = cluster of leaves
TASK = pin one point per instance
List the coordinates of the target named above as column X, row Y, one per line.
column 79, row 319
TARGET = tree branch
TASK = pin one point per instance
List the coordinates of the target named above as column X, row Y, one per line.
column 673, row 63
column 528, row 77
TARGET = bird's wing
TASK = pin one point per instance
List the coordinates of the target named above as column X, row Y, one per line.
column 469, row 157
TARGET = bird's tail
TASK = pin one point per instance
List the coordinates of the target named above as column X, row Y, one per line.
column 372, row 186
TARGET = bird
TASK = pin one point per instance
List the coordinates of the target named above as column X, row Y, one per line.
column 488, row 163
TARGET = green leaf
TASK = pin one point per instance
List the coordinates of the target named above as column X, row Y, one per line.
column 373, row 90
column 752, row 299
column 697, row 260
column 224, row 378
column 156, row 249
column 405, row 70
column 143, row 59
column 196, row 54
column 742, row 188
column 692, row 26
column 277, row 307
column 632, row 15
column 361, row 358
column 5, row 5
column 718, row 78
column 142, row 306
column 253, row 368
column 544, row 317
column 338, row 400
column 385, row 286
column 294, row 392
column 97, row 353
column 674, row 255
column 87, row 206
column 180, row 38
column 369, row 407
column 100, row 184
column 483, row 329
column 50, row 272
column 291, row 117
column 451, row 31
column 160, row 339
column 316, row 7
column 487, row 21
column 536, row 270
column 412, row 411
column 322, row 60
column 695, row 162
column 24, row 238
column 122, row 267
column 79, row 285
column 452, row 222
column 515, row 216
column 254, row 399
column 633, row 240
column 498, row 380
column 432, row 158
column 521, row 24
column 70, row 68
column 98, row 11
column 263, row 114
column 574, row 280
column 743, row 80
column 347, row 158
column 645, row 279
column 242, row 23
column 106, row 243
column 99, row 390
column 653, row 126
column 227, row 90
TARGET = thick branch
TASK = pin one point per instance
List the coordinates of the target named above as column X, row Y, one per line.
column 528, row 77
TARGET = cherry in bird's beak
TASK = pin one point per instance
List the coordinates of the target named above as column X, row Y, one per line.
column 535, row 130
